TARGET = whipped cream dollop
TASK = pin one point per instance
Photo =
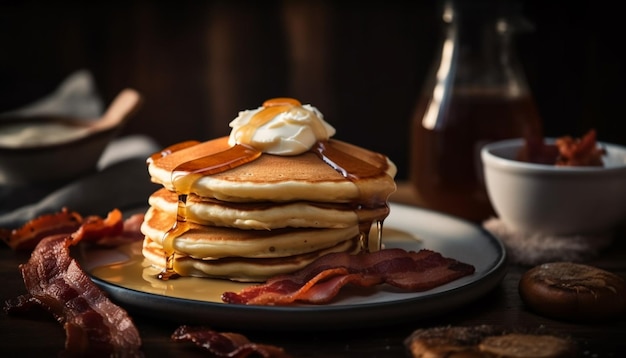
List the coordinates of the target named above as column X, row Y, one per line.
column 282, row 126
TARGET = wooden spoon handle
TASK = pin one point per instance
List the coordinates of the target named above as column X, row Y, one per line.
column 123, row 107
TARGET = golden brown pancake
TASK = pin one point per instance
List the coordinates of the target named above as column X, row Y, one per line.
column 279, row 178
column 211, row 242
column 261, row 215
column 238, row 268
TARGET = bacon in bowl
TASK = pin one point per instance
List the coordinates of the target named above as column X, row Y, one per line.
column 538, row 195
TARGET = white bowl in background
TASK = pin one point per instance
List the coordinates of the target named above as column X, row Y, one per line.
column 47, row 156
column 553, row 200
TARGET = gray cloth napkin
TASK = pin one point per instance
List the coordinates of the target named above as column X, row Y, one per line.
column 531, row 249
column 121, row 180
column 123, row 183
column 76, row 96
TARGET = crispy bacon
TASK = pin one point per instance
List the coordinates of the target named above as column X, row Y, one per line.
column 579, row 151
column 112, row 230
column 320, row 281
column 94, row 227
column 232, row 345
column 27, row 236
column 93, row 324
column 566, row 151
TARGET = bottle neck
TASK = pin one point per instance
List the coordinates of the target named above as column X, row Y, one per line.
column 478, row 45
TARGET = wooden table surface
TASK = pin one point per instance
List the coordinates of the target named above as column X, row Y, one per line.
column 43, row 336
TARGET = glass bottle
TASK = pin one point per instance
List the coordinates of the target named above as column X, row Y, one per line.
column 476, row 93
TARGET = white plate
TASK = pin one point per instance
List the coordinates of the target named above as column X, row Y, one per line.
column 196, row 300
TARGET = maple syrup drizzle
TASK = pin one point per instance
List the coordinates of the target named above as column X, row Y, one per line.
column 355, row 169
column 281, row 101
column 183, row 178
column 258, row 120
column 171, row 149
column 186, row 174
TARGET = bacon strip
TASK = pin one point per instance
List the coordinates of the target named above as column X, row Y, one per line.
column 322, row 280
column 111, row 230
column 29, row 235
column 232, row 345
column 579, row 151
column 566, row 151
column 94, row 227
column 93, row 324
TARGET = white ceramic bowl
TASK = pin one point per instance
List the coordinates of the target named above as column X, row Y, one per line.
column 555, row 200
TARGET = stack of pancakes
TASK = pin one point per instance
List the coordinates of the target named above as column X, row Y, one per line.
column 271, row 215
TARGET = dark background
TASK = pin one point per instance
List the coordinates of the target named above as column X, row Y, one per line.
column 361, row 63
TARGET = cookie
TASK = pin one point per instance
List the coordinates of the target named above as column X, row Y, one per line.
column 515, row 345
column 572, row 291
column 448, row 341
column 486, row 341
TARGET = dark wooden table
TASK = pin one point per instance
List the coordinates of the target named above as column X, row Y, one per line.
column 42, row 336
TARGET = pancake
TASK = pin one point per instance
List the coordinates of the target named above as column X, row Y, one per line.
column 241, row 269
column 261, row 215
column 279, row 178
column 210, row 242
